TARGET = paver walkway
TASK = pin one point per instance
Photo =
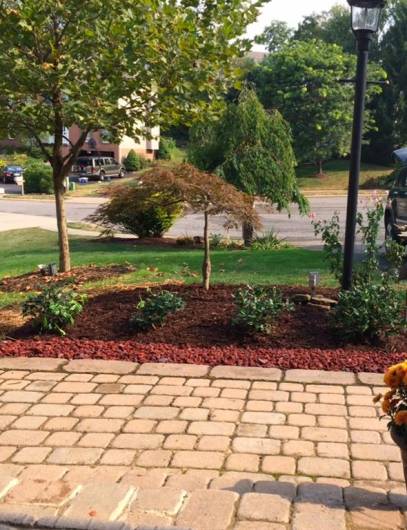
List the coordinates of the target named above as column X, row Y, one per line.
column 194, row 447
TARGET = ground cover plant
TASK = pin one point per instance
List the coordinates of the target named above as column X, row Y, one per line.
column 153, row 310
column 259, row 308
column 54, row 308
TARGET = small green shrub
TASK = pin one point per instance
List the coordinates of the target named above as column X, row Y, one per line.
column 167, row 145
column 55, row 308
column 153, row 310
column 369, row 311
column 257, row 308
column 134, row 162
column 138, row 210
column 38, row 178
column 270, row 241
column 217, row 241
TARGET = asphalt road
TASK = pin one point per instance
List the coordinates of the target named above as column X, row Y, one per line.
column 296, row 229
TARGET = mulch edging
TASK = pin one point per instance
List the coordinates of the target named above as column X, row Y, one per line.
column 333, row 360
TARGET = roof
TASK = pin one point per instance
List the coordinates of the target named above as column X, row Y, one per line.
column 401, row 155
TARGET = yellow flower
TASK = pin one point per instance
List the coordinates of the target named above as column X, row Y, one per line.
column 401, row 418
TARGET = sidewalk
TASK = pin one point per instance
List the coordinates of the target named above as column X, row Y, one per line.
column 194, row 446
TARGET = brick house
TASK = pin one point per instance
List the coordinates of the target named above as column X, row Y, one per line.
column 98, row 143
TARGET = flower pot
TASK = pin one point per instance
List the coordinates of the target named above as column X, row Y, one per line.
column 399, row 436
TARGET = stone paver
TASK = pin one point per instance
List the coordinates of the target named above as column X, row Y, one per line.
column 184, row 446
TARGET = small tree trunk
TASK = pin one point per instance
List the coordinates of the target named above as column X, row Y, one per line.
column 320, row 167
column 207, row 266
column 64, row 256
column 248, row 232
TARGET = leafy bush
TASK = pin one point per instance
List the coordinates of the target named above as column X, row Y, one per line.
column 55, row 308
column 38, row 178
column 217, row 241
column 372, row 308
column 153, row 310
column 138, row 210
column 134, row 162
column 369, row 311
column 167, row 145
column 257, row 308
column 270, row 241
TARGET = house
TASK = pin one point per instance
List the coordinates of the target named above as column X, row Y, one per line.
column 98, row 143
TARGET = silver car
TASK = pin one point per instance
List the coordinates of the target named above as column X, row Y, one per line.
column 98, row 168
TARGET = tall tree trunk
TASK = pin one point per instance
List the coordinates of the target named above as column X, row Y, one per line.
column 248, row 232
column 63, row 240
column 206, row 266
column 320, row 167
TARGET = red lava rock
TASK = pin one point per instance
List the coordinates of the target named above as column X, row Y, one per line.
column 202, row 334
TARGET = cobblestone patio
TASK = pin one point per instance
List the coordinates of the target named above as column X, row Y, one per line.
column 194, row 447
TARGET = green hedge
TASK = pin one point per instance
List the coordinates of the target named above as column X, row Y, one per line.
column 38, row 178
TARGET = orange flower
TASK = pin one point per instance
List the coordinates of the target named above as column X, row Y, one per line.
column 401, row 418
column 389, row 394
column 395, row 375
column 386, row 406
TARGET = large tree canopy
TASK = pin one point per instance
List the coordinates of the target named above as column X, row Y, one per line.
column 120, row 65
column 306, row 82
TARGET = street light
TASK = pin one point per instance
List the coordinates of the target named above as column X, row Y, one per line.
column 365, row 22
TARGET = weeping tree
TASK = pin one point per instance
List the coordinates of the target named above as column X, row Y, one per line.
column 186, row 186
column 251, row 149
column 117, row 65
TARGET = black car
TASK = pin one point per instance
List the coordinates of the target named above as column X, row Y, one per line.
column 11, row 172
column 396, row 208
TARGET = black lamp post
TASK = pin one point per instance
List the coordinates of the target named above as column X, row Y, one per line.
column 365, row 22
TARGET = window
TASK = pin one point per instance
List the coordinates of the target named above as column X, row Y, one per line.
column 403, row 178
column 105, row 136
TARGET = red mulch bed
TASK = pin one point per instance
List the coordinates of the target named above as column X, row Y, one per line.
column 202, row 334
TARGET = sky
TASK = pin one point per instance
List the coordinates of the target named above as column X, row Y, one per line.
column 291, row 11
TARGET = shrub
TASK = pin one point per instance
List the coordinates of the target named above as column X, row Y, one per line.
column 167, row 145
column 369, row 311
column 134, row 162
column 372, row 308
column 153, row 310
column 270, row 241
column 138, row 210
column 38, row 178
column 257, row 308
column 55, row 308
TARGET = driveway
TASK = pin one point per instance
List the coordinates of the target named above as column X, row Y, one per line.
column 296, row 229
column 202, row 448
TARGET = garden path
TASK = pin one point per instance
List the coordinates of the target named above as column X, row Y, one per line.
column 183, row 446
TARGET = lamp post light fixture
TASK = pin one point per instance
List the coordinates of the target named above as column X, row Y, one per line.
column 314, row 279
column 365, row 23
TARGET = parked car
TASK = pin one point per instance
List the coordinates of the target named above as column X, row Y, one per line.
column 98, row 168
column 10, row 173
column 396, row 208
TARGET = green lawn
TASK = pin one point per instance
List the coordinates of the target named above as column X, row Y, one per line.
column 22, row 250
column 337, row 174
